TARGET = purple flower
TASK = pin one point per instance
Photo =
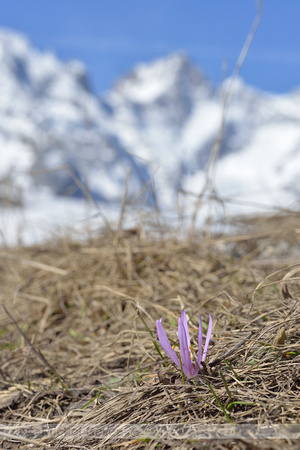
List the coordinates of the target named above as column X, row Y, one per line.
column 190, row 368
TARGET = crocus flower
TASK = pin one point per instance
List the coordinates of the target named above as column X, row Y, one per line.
column 190, row 368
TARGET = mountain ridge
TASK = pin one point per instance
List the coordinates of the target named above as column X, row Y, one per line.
column 159, row 121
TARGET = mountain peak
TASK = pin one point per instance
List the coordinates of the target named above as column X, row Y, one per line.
column 23, row 66
column 149, row 81
column 13, row 41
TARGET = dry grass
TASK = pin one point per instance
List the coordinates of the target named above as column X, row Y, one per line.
column 82, row 365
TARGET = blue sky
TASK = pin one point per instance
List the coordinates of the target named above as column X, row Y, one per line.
column 110, row 36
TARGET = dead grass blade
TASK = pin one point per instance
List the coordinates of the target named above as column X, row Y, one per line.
column 88, row 323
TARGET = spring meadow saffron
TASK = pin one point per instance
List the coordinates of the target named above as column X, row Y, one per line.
column 190, row 365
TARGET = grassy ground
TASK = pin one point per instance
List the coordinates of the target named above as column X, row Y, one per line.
column 78, row 360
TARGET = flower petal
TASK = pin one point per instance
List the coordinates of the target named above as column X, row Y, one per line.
column 208, row 336
column 187, row 365
column 165, row 343
column 185, row 326
column 199, row 343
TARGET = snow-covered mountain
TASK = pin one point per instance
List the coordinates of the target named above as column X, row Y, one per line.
column 160, row 122
column 51, row 126
column 168, row 113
